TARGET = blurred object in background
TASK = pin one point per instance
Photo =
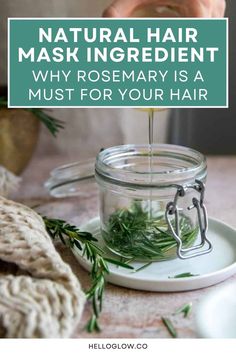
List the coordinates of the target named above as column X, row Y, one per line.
column 19, row 131
column 86, row 130
column 166, row 8
column 212, row 131
column 8, row 182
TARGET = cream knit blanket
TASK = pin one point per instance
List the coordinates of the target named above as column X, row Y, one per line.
column 8, row 182
column 47, row 300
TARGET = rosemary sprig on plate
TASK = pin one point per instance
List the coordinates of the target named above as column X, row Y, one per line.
column 184, row 275
column 142, row 267
column 71, row 236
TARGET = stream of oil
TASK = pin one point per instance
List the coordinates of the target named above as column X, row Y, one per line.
column 150, row 157
column 150, row 112
column 155, row 11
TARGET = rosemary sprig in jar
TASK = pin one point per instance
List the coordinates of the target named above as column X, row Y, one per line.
column 71, row 236
column 132, row 234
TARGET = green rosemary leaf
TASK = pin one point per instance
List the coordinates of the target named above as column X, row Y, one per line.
column 78, row 245
column 185, row 309
column 88, row 236
column 89, row 251
column 62, row 238
column 131, row 233
column 72, row 236
column 104, row 264
column 52, row 124
column 3, row 102
column 143, row 267
column 95, row 307
column 170, row 327
column 184, row 275
column 128, row 261
column 97, row 327
column 93, row 325
column 114, row 261
column 97, row 249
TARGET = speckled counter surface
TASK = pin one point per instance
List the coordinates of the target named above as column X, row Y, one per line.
column 129, row 313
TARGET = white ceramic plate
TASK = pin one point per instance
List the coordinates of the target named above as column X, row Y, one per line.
column 211, row 269
column 216, row 313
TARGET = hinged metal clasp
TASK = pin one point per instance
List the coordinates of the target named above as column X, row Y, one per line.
column 172, row 209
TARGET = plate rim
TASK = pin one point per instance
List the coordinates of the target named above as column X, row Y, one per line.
column 225, row 272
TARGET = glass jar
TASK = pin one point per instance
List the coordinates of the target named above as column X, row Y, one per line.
column 152, row 209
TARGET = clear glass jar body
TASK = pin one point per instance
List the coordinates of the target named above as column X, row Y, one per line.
column 134, row 194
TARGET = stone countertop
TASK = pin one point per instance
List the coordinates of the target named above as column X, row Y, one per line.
column 129, row 313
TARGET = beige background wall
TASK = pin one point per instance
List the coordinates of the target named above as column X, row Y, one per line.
column 87, row 130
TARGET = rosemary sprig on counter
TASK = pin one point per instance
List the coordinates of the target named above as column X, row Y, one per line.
column 71, row 236
column 170, row 327
column 52, row 124
column 185, row 309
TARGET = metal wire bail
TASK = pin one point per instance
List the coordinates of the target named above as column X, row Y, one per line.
column 173, row 210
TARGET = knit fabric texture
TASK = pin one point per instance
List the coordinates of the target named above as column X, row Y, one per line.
column 44, row 300
column 8, row 182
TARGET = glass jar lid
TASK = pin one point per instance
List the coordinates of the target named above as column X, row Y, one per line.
column 132, row 165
